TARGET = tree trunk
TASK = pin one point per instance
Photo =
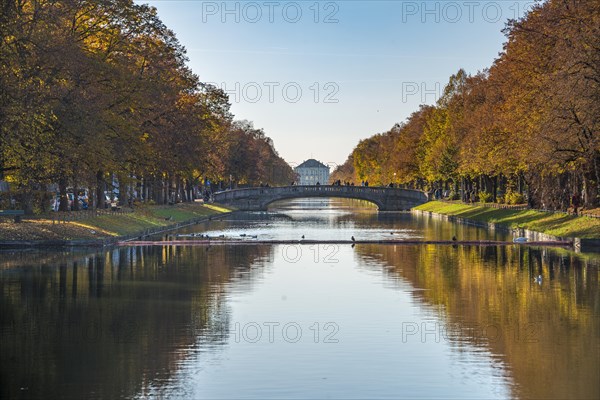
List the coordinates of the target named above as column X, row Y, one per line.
column 45, row 200
column 76, row 206
column 123, row 191
column 181, row 190
column 190, row 190
column 100, row 189
column 27, row 201
column 591, row 184
column 62, row 189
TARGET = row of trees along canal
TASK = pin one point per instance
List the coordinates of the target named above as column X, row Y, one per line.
column 529, row 122
column 96, row 89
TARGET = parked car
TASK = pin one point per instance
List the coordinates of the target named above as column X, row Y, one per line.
column 55, row 202
column 83, row 201
column 111, row 200
column 82, row 198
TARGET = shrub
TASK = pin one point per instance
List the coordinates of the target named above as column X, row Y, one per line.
column 32, row 201
column 515, row 198
column 5, row 201
column 485, row 197
column 454, row 196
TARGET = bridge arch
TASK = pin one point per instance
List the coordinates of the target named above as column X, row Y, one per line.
column 258, row 199
column 331, row 195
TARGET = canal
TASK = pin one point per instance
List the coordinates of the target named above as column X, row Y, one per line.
column 303, row 321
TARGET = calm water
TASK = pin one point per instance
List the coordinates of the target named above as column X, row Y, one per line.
column 369, row 321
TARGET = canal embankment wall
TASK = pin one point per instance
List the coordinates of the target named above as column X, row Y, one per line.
column 113, row 240
column 580, row 244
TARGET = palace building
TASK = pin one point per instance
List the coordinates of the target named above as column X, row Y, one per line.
column 311, row 172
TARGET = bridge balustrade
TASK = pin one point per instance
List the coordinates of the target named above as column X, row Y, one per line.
column 385, row 198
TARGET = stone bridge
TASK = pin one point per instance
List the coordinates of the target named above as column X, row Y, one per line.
column 258, row 199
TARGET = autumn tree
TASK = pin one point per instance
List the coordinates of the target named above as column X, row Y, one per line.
column 527, row 125
column 98, row 95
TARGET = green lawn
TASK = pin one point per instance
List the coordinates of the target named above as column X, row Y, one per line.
column 553, row 224
column 149, row 217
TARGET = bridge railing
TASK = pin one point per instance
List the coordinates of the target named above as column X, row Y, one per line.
column 299, row 189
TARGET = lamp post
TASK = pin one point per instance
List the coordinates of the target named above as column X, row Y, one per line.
column 395, row 182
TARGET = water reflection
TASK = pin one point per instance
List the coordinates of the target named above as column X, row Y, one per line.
column 336, row 219
column 375, row 321
column 546, row 330
column 106, row 325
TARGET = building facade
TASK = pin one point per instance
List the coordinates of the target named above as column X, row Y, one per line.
column 311, row 172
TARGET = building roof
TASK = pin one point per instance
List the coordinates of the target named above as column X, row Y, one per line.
column 312, row 163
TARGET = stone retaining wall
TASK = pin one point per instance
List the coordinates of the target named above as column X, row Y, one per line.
column 580, row 245
column 105, row 242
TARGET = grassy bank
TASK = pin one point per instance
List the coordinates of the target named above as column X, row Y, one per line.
column 552, row 224
column 105, row 226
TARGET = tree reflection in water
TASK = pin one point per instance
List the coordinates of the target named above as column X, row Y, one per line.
column 547, row 331
column 121, row 323
column 109, row 324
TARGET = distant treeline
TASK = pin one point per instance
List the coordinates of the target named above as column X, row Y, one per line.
column 97, row 90
column 528, row 125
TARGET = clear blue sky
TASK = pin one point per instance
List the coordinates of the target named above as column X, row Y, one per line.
column 361, row 66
